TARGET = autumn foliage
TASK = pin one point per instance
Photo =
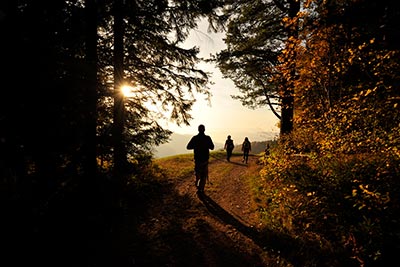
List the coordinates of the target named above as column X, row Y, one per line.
column 337, row 171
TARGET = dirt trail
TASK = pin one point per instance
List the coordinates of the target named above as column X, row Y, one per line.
column 218, row 229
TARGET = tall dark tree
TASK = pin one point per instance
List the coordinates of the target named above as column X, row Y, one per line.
column 254, row 40
column 147, row 39
column 258, row 33
column 90, row 90
column 291, row 8
column 119, row 108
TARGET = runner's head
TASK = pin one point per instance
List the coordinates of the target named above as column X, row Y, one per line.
column 201, row 128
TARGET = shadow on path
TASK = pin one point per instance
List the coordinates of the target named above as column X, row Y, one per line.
column 236, row 157
column 280, row 243
column 239, row 163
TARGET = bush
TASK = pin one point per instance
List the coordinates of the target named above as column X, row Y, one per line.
column 347, row 202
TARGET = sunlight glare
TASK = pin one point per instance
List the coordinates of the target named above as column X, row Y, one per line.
column 127, row 90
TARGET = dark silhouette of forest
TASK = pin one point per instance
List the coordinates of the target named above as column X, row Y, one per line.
column 70, row 140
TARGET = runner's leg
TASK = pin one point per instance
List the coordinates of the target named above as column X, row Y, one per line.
column 197, row 170
column 203, row 168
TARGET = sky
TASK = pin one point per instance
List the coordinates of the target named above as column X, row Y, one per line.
column 224, row 116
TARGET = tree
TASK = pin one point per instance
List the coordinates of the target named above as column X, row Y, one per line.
column 91, row 88
column 347, row 72
column 150, row 60
column 257, row 35
column 288, row 66
column 254, row 40
column 118, row 107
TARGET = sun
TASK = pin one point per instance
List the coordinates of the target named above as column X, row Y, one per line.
column 127, row 90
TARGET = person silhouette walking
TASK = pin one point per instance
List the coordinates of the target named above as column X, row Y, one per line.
column 246, row 148
column 229, row 146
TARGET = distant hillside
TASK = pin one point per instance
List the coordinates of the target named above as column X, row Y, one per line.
column 178, row 143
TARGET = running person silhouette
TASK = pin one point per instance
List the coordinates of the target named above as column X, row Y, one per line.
column 201, row 145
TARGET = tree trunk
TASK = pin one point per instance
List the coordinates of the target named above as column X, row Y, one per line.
column 287, row 112
column 118, row 138
column 90, row 94
column 287, row 94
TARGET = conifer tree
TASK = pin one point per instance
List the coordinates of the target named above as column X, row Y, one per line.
column 258, row 34
column 163, row 76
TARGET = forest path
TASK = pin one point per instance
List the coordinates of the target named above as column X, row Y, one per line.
column 217, row 229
